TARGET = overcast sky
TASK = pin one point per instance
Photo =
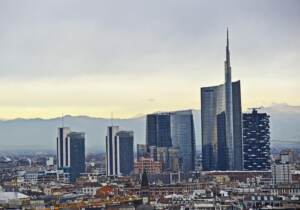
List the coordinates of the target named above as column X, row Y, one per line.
column 133, row 57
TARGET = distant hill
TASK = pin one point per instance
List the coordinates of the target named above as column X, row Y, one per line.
column 285, row 125
column 41, row 133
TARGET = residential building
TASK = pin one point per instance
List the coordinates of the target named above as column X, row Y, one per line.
column 281, row 173
column 147, row 164
column 288, row 156
column 256, row 134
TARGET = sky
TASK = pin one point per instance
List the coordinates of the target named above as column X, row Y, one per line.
column 127, row 58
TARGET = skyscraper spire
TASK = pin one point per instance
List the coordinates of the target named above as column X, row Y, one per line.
column 228, row 108
column 227, row 50
column 227, row 38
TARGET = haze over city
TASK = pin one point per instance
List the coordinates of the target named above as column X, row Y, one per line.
column 143, row 105
column 137, row 57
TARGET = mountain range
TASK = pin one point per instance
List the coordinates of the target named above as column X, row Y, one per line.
column 40, row 134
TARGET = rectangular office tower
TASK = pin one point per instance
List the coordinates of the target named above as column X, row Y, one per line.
column 221, row 123
column 256, row 133
column 183, row 138
column 62, row 147
column 176, row 130
column 158, row 131
column 71, row 152
column 119, row 152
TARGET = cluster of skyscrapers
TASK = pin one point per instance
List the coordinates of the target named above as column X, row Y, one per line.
column 173, row 135
column 230, row 140
column 170, row 141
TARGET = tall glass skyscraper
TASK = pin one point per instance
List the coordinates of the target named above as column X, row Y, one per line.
column 183, row 137
column 62, row 147
column 221, row 123
column 126, row 154
column 256, row 132
column 71, row 152
column 158, row 130
column 111, row 163
column 76, row 142
column 173, row 129
column 119, row 152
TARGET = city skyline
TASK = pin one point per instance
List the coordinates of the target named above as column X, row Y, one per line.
column 82, row 60
column 149, row 104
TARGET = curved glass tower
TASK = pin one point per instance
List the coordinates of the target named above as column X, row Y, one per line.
column 221, row 123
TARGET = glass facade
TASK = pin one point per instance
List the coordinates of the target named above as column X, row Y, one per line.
column 222, row 163
column 111, row 167
column 221, row 123
column 158, row 130
column 215, row 146
column 183, row 138
column 71, row 152
column 126, row 155
column 237, row 126
column 151, row 130
column 77, row 154
column 119, row 152
column 62, row 148
column 173, row 130
column 212, row 105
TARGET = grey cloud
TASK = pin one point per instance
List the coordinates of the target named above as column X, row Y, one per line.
column 72, row 38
